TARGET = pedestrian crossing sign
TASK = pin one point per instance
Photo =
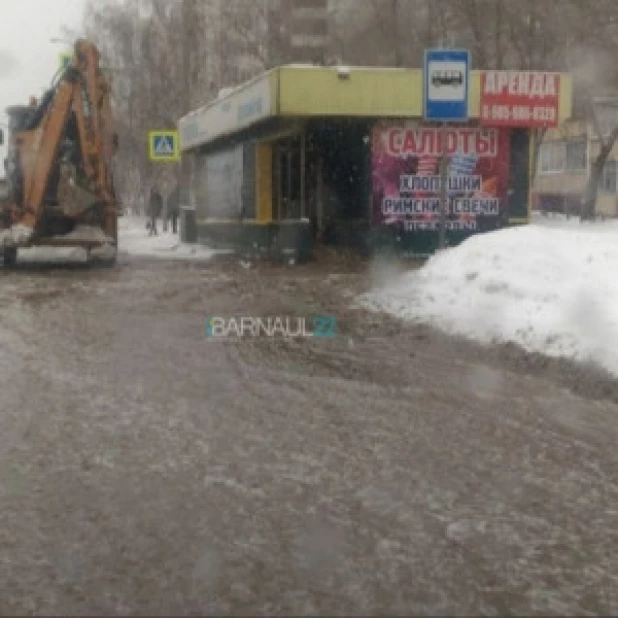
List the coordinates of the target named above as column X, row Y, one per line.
column 163, row 146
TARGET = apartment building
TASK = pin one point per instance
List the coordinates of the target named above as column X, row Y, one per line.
column 564, row 164
column 309, row 30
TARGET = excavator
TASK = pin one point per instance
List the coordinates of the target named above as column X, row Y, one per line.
column 59, row 165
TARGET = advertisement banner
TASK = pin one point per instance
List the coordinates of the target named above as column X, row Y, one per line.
column 520, row 99
column 242, row 108
column 407, row 183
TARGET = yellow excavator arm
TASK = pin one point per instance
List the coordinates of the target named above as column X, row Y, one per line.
column 60, row 167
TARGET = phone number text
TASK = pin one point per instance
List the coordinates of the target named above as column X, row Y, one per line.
column 525, row 113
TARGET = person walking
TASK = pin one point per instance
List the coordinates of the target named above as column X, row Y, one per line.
column 155, row 206
column 173, row 206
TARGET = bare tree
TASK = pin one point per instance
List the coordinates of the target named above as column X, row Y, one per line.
column 607, row 136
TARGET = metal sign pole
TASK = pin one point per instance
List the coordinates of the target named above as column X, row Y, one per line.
column 443, row 187
column 446, row 92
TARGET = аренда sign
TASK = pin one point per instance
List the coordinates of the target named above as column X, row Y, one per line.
column 520, row 98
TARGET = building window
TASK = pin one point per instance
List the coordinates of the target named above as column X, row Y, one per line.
column 552, row 157
column 608, row 179
column 563, row 156
column 544, row 158
column 576, row 152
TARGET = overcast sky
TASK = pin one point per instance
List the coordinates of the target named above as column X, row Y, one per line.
column 28, row 59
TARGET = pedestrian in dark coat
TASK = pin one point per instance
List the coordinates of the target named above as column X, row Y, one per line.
column 155, row 206
column 173, row 206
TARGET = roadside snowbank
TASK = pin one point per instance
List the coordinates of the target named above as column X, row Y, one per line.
column 551, row 287
column 133, row 239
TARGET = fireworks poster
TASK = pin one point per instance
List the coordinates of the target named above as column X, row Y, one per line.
column 407, row 184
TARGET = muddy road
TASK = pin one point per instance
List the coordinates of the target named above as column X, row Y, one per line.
column 147, row 470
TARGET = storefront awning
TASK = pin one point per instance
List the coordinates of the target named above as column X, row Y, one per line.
column 304, row 91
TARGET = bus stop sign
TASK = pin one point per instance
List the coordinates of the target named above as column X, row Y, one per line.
column 446, row 85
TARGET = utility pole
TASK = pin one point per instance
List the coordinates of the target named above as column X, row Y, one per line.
column 131, row 74
column 188, row 15
column 395, row 15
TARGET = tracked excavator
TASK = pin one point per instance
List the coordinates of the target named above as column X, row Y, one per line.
column 60, row 190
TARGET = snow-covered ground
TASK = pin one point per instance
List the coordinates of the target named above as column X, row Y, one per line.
column 551, row 287
column 133, row 239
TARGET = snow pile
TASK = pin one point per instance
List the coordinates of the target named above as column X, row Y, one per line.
column 225, row 92
column 81, row 233
column 88, row 233
column 133, row 239
column 40, row 255
column 551, row 287
column 15, row 235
